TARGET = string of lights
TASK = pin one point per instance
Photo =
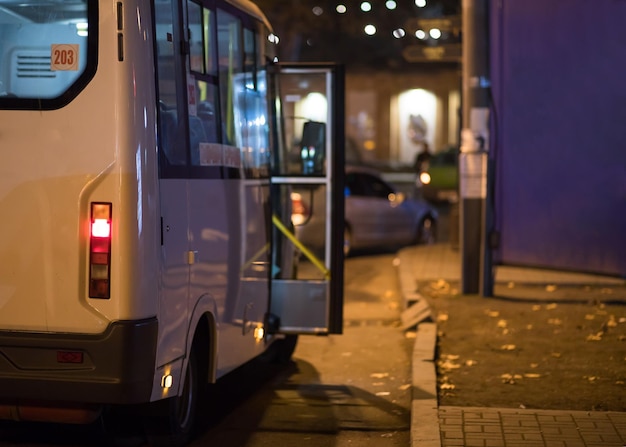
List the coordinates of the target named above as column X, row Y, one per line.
column 369, row 30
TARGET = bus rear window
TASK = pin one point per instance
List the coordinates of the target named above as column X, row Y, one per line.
column 47, row 51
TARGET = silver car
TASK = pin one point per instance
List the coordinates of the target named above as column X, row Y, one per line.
column 376, row 214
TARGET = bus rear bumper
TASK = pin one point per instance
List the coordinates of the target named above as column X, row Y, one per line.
column 78, row 372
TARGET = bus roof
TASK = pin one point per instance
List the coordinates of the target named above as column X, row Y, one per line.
column 252, row 9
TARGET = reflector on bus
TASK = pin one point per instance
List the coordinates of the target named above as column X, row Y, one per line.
column 100, row 250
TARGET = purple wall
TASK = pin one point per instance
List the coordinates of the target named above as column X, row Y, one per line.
column 559, row 133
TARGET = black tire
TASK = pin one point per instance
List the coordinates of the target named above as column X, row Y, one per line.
column 170, row 422
column 427, row 231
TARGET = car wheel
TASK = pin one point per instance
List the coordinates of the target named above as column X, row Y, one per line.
column 427, row 231
column 347, row 241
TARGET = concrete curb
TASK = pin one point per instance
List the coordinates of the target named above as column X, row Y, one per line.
column 424, row 404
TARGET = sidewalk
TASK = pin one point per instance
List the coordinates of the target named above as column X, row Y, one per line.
column 434, row 426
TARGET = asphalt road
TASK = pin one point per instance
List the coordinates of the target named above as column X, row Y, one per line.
column 342, row 390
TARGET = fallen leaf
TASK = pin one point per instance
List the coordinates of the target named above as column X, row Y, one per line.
column 595, row 337
column 379, row 375
column 591, row 378
column 404, row 387
column 550, row 288
column 492, row 313
column 534, row 365
column 532, row 375
column 447, row 365
column 447, row 386
column 510, row 285
column 622, row 320
column 611, row 322
column 383, row 393
column 410, row 334
column 555, row 321
column 470, row 362
column 440, row 285
column 551, row 306
column 451, row 356
column 510, row 378
column 606, row 291
column 502, row 323
column 529, row 326
column 556, row 355
column 590, row 317
column 442, row 317
column 536, row 307
column 508, row 347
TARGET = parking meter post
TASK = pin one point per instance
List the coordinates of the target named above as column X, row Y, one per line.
column 475, row 273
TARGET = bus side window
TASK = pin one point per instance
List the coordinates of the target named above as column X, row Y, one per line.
column 207, row 114
column 168, row 124
column 196, row 136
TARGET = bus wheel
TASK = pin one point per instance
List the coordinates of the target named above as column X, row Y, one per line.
column 170, row 422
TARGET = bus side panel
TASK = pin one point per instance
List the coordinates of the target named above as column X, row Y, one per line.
column 228, row 236
column 174, row 280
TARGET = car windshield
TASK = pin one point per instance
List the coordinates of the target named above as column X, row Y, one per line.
column 44, row 50
column 363, row 184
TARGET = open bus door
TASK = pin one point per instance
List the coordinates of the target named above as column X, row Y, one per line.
column 308, row 197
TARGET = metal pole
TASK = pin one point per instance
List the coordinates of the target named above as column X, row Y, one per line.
column 474, row 144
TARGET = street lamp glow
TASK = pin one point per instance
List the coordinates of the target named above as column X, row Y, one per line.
column 420, row 34
column 273, row 38
column 341, row 9
column 391, row 4
column 435, row 33
column 420, row 3
column 399, row 33
column 366, row 6
column 370, row 30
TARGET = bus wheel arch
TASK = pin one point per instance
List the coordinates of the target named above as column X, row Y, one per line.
column 170, row 422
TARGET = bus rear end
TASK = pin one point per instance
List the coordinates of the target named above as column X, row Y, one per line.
column 77, row 187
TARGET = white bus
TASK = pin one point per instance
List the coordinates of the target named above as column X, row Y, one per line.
column 145, row 243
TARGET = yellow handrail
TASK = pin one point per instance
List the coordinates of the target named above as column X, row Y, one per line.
column 305, row 251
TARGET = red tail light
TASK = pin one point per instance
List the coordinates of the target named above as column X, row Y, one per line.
column 100, row 251
column 299, row 211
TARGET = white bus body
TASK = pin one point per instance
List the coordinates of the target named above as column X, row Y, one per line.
column 136, row 234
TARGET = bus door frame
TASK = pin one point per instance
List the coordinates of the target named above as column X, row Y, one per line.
column 315, row 306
